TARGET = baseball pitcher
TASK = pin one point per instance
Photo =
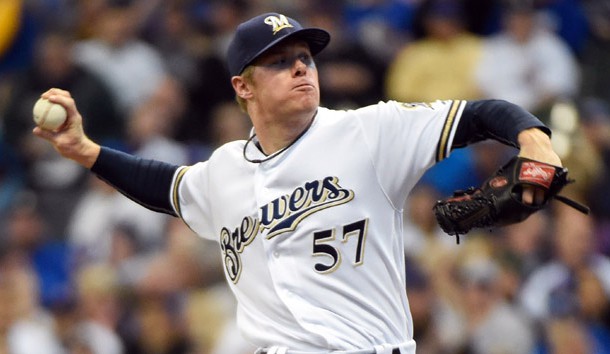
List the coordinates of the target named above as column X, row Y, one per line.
column 307, row 211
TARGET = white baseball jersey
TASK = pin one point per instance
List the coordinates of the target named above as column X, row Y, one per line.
column 312, row 239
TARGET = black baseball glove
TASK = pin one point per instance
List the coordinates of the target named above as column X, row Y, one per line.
column 498, row 201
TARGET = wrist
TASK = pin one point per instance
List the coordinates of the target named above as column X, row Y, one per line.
column 85, row 152
column 533, row 136
column 536, row 145
column 90, row 153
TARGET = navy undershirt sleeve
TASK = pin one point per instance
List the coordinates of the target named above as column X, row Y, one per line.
column 494, row 119
column 147, row 182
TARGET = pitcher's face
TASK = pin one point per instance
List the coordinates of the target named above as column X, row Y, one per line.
column 285, row 79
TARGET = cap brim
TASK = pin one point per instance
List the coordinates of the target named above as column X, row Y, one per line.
column 316, row 38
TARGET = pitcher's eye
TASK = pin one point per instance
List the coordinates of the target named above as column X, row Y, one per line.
column 306, row 59
column 280, row 61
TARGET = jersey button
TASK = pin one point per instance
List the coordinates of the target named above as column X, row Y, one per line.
column 276, row 254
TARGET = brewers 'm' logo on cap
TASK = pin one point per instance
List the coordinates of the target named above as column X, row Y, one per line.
column 257, row 35
column 278, row 22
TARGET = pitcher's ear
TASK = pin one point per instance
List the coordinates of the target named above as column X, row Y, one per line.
column 241, row 87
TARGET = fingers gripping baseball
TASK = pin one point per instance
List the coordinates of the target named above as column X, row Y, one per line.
column 69, row 139
column 63, row 98
column 71, row 130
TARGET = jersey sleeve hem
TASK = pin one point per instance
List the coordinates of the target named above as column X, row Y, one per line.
column 175, row 198
column 452, row 120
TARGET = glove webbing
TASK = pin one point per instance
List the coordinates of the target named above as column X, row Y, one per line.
column 480, row 211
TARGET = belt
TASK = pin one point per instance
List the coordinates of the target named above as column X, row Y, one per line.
column 275, row 350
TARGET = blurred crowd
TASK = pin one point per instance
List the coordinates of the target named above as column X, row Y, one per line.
column 83, row 269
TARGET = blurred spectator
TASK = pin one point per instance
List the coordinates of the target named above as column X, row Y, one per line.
column 54, row 66
column 577, row 152
column 482, row 17
column 568, row 20
column 150, row 131
column 92, row 223
column 186, row 262
column 159, row 327
column 594, row 59
column 56, row 181
column 172, row 31
column 86, row 13
column 466, row 167
column 158, row 281
column 11, row 177
column 455, row 172
column 424, row 240
column 99, row 310
column 380, row 26
column 127, row 256
column 151, row 124
column 472, row 315
column 350, row 76
column 442, row 64
column 494, row 324
column 149, row 134
column 526, row 63
column 566, row 336
column 595, row 114
column 110, row 210
column 229, row 123
column 214, row 304
column 131, row 68
column 579, row 311
column 548, row 290
column 211, row 85
column 99, row 235
column 48, row 256
column 422, row 302
column 26, row 327
column 223, row 17
column 521, row 249
column 593, row 302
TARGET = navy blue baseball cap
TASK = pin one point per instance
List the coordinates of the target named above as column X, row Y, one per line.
column 259, row 34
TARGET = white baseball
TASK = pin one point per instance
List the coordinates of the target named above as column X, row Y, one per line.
column 49, row 115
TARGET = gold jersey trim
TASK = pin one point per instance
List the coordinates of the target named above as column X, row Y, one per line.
column 451, row 120
column 177, row 179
